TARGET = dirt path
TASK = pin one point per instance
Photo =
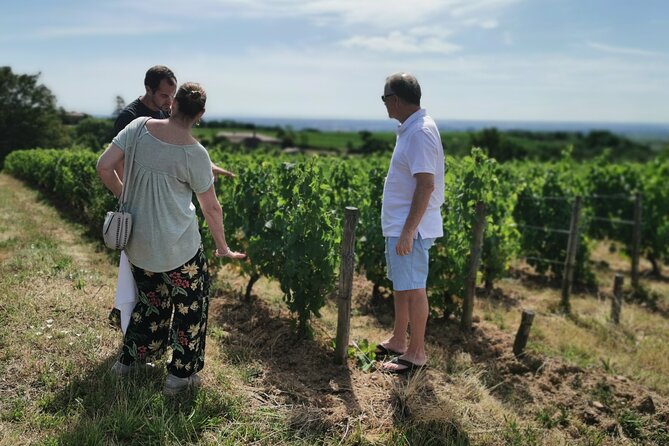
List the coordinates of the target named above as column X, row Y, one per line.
column 26, row 207
column 56, row 289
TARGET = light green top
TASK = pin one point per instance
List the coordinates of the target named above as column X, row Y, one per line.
column 165, row 232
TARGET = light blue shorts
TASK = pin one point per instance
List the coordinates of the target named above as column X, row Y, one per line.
column 408, row 272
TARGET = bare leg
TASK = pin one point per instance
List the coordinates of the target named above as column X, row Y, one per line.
column 398, row 341
column 415, row 302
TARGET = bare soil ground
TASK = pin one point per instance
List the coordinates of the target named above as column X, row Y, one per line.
column 285, row 371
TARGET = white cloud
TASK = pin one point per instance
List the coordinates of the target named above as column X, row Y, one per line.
column 482, row 23
column 623, row 50
column 488, row 24
column 466, row 8
column 381, row 13
column 90, row 30
column 398, row 26
column 431, row 31
column 426, row 26
column 375, row 14
column 398, row 42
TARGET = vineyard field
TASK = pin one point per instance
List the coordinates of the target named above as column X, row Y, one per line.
column 276, row 335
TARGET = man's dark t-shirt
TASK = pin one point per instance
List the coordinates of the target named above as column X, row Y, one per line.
column 134, row 110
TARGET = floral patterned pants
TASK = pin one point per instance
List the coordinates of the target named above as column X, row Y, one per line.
column 171, row 311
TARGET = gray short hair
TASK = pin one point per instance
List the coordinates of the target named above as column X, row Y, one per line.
column 405, row 86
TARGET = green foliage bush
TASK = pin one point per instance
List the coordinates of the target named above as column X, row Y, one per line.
column 94, row 133
column 546, row 193
column 28, row 115
column 286, row 213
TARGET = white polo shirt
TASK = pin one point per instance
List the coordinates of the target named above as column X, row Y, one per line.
column 418, row 149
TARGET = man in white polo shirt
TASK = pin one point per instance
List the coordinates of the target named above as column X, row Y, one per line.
column 411, row 219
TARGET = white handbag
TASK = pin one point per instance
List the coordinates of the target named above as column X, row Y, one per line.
column 117, row 226
column 116, row 229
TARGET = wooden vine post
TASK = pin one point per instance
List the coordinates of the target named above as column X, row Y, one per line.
column 572, row 247
column 345, row 284
column 523, row 332
column 636, row 243
column 617, row 301
column 474, row 263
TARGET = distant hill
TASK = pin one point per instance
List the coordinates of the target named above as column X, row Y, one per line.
column 631, row 130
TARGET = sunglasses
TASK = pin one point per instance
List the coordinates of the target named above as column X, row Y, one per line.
column 386, row 96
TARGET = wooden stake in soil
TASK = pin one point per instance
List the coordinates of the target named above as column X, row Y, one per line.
column 572, row 247
column 474, row 262
column 636, row 243
column 523, row 332
column 346, row 284
column 617, row 301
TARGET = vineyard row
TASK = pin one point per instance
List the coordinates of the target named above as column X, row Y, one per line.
column 286, row 212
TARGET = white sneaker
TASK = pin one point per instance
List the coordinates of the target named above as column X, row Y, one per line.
column 120, row 369
column 175, row 385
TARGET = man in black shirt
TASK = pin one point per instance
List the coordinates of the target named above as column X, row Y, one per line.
column 161, row 86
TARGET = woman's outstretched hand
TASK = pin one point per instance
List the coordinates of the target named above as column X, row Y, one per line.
column 219, row 171
column 230, row 254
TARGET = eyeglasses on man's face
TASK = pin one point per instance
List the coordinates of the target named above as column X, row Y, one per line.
column 386, row 96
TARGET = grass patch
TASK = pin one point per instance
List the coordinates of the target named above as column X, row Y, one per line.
column 638, row 347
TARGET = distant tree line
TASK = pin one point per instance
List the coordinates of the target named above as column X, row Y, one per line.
column 232, row 124
column 30, row 118
column 28, row 115
column 545, row 146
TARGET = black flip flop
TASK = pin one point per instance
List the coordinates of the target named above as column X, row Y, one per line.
column 410, row 367
column 383, row 352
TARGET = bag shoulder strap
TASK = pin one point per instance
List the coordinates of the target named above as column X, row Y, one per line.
column 128, row 163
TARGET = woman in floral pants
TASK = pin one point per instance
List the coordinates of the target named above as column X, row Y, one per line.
column 186, row 289
column 165, row 249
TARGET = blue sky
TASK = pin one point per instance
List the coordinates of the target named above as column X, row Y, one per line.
column 555, row 60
